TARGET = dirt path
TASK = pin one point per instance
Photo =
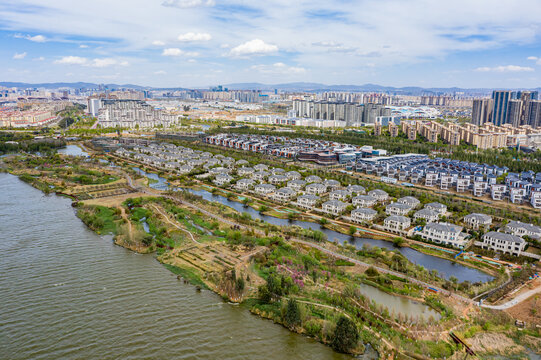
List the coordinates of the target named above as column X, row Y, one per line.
column 125, row 217
column 162, row 213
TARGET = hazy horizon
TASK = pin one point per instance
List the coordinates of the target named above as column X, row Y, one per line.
column 200, row 43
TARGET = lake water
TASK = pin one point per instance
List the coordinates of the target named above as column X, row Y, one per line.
column 73, row 150
column 66, row 293
column 445, row 268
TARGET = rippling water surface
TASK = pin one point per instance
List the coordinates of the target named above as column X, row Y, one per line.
column 66, row 293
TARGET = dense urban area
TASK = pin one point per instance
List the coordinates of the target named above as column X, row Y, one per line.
column 403, row 223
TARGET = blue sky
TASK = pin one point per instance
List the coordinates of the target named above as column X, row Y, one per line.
column 197, row 43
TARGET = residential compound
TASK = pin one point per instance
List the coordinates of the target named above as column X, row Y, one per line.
column 485, row 136
column 349, row 113
column 461, row 176
column 326, row 197
column 31, row 114
column 132, row 114
column 508, row 107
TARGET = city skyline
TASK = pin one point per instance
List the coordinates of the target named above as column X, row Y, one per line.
column 198, row 43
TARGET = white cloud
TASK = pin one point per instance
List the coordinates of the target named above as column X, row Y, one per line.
column 41, row 58
column 253, row 47
column 83, row 46
column 178, row 52
column 536, row 59
column 279, row 68
column 159, row 72
column 332, row 46
column 504, row 68
column 191, row 36
column 19, row 56
column 72, row 60
column 98, row 63
column 158, row 43
column 36, row 38
column 105, row 62
column 185, row 4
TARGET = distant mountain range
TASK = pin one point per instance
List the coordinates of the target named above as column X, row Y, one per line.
column 295, row 86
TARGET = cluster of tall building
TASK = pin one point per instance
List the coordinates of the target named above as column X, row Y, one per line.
column 31, row 114
column 350, row 113
column 486, row 136
column 516, row 108
column 245, row 96
column 446, row 101
column 131, row 114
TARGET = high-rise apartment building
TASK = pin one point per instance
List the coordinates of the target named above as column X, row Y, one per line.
column 94, row 106
column 351, row 113
column 534, row 113
column 501, row 103
column 482, row 111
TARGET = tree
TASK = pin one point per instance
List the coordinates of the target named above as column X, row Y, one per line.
column 352, row 230
column 398, row 241
column 264, row 294
column 239, row 285
column 291, row 216
column 371, row 272
column 292, row 317
column 345, row 336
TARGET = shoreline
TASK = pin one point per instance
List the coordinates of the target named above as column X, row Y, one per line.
column 217, row 292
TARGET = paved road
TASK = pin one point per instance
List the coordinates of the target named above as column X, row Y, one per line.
column 514, row 301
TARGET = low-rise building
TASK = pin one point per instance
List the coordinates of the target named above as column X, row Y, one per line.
column 338, row 195
column 502, row 242
column 397, row 209
column 364, row 201
column 284, row 194
column 245, row 184
column 426, row 214
column 522, row 229
column 315, row 189
column 293, row 175
column 264, row 189
column 479, row 188
column 396, row 223
column 185, row 169
column 498, row 191
column 222, row 179
column 313, row 179
column 409, row 200
column 437, row 207
column 332, row 184
column 260, row 175
column 277, row 179
column 362, row 215
column 245, row 171
column 307, row 201
column 477, row 221
column 444, row 233
column 379, row 195
column 296, row 185
column 356, row 189
column 334, row 207
column 261, row 167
